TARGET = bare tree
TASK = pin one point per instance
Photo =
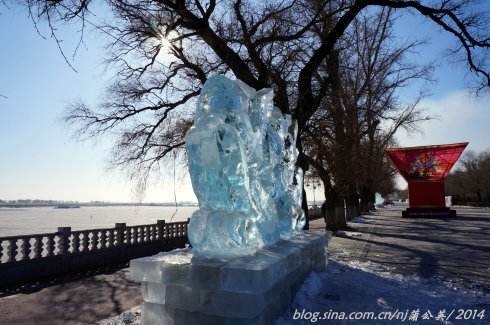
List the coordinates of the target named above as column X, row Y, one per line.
column 345, row 138
column 278, row 44
column 471, row 183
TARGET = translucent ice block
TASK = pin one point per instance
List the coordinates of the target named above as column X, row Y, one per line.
column 173, row 267
column 252, row 273
column 242, row 157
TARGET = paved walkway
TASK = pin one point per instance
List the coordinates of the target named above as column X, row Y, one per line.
column 456, row 250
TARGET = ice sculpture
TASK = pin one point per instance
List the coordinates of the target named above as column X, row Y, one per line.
column 242, row 154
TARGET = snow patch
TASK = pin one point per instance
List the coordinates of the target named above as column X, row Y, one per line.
column 360, row 219
column 348, row 233
column 352, row 286
column 129, row 317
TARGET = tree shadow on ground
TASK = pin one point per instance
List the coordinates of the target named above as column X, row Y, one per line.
column 459, row 268
column 37, row 285
column 344, row 288
column 92, row 299
column 426, row 268
column 86, row 299
column 448, row 240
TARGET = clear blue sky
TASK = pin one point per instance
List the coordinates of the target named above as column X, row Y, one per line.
column 40, row 159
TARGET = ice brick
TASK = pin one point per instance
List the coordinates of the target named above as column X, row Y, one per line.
column 174, row 266
column 254, row 273
column 242, row 305
column 291, row 254
column 233, row 304
column 172, row 295
column 154, row 292
column 195, row 318
column 182, row 297
column 156, row 314
column 206, row 272
column 146, row 269
column 177, row 269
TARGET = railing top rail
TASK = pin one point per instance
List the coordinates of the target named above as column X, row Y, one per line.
column 23, row 236
column 28, row 236
column 92, row 230
column 145, row 225
column 176, row 222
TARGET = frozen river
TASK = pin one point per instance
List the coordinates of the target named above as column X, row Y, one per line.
column 24, row 221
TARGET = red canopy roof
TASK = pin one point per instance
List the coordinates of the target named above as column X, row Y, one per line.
column 426, row 162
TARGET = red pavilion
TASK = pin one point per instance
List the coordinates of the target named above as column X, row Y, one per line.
column 425, row 168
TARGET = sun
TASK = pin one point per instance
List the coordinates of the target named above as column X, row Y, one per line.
column 165, row 44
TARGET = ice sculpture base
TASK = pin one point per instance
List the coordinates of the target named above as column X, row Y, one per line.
column 179, row 288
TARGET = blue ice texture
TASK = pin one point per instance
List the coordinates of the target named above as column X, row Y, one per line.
column 242, row 156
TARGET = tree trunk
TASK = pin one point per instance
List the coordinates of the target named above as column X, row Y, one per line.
column 371, row 200
column 335, row 212
column 340, row 221
column 330, row 209
column 352, row 204
column 324, row 210
column 304, row 205
column 479, row 196
column 326, row 206
column 364, row 200
column 303, row 164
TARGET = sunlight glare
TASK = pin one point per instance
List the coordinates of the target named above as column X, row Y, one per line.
column 166, row 46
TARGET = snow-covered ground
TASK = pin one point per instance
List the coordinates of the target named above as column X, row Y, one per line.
column 129, row 317
column 354, row 286
column 367, row 287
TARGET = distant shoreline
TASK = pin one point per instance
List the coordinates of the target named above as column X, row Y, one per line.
column 41, row 205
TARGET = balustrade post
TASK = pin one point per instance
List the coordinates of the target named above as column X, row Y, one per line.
column 120, row 238
column 103, row 238
column 110, row 238
column 76, row 243
column 64, row 234
column 50, row 245
column 38, row 246
column 12, row 250
column 161, row 228
column 63, row 248
column 121, row 229
column 24, row 249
